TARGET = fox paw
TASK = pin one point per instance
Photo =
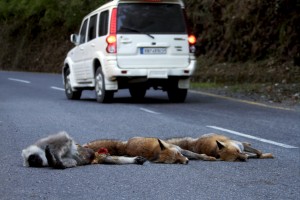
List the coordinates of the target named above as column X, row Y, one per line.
column 140, row 160
column 266, row 155
column 210, row 158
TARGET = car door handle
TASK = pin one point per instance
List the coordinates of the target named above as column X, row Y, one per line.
column 93, row 45
column 126, row 41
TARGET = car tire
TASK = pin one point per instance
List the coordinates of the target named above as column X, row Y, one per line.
column 175, row 94
column 102, row 95
column 137, row 93
column 70, row 93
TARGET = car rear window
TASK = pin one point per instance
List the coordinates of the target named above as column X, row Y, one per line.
column 150, row 18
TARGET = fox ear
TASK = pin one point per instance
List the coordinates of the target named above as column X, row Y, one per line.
column 221, row 145
column 162, row 146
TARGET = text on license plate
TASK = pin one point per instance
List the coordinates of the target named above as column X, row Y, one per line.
column 153, row 50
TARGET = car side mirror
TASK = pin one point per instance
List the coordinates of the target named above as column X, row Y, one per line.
column 74, row 39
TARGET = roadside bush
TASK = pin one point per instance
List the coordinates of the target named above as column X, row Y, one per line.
column 35, row 33
column 47, row 13
column 241, row 30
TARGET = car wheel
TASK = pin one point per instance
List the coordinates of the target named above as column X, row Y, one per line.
column 175, row 94
column 102, row 95
column 70, row 93
column 137, row 93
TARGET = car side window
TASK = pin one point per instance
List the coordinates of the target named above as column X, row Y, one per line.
column 103, row 23
column 92, row 28
column 82, row 33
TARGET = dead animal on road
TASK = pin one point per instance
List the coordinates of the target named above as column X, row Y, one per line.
column 220, row 147
column 153, row 149
column 60, row 151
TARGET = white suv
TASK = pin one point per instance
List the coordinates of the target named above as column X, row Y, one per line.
column 131, row 44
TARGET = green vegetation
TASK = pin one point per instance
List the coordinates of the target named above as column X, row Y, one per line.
column 239, row 30
column 239, row 41
column 205, row 85
column 44, row 14
column 35, row 33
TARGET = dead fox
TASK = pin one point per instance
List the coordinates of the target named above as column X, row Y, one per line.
column 60, row 151
column 153, row 149
column 220, row 147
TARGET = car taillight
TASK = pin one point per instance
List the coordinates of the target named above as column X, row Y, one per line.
column 112, row 37
column 192, row 41
column 191, row 38
column 111, row 44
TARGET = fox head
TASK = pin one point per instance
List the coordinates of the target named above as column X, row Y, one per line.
column 229, row 151
column 170, row 154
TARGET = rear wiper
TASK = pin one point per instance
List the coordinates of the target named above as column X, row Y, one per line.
column 138, row 31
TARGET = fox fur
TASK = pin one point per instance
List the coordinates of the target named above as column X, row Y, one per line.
column 220, row 147
column 60, row 151
column 153, row 149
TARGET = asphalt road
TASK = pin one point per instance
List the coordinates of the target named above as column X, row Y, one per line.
column 32, row 106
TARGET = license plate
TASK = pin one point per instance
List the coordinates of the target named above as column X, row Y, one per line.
column 153, row 50
column 157, row 74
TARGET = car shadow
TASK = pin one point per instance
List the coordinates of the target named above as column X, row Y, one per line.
column 129, row 100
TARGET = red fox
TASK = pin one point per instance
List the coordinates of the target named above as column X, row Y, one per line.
column 153, row 149
column 220, row 147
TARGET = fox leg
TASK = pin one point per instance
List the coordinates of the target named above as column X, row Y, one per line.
column 123, row 160
column 195, row 156
column 254, row 153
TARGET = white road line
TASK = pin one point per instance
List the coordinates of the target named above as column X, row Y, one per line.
column 149, row 111
column 57, row 88
column 253, row 137
column 18, row 80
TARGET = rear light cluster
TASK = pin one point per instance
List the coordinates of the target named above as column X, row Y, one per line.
column 191, row 38
column 192, row 41
column 112, row 37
